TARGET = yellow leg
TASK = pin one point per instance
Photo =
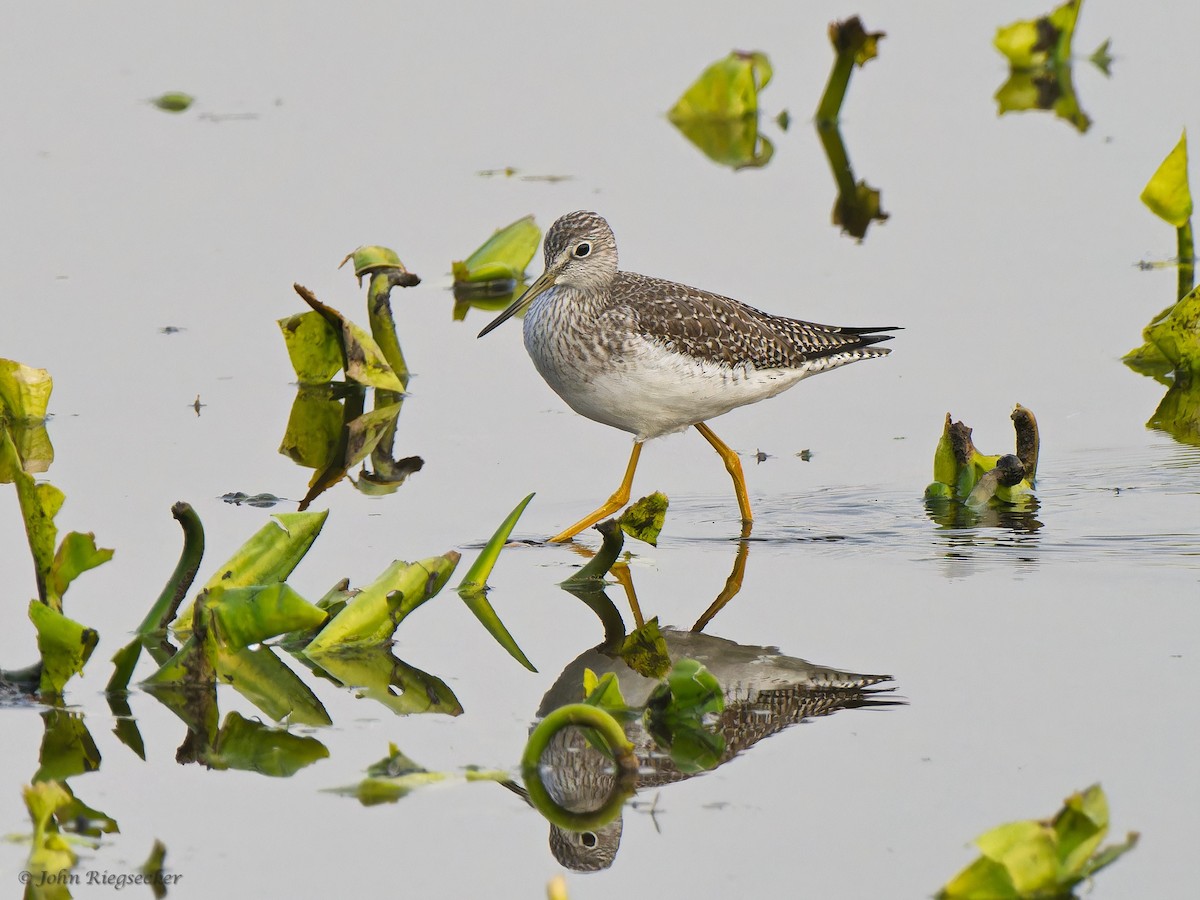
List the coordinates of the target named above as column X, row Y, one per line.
column 733, row 466
column 615, row 502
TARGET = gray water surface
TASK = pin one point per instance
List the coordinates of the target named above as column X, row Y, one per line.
column 1036, row 657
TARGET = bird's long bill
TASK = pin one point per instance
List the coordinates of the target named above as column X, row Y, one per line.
column 543, row 284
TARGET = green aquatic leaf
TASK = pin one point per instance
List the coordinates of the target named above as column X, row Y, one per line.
column 735, row 142
column 727, row 89
column 272, row 552
column 362, row 359
column 268, row 556
column 1167, row 193
column 1031, row 859
column 67, row 746
column 76, row 554
column 24, row 392
column 643, row 520
column 250, row 615
column 477, row 576
column 50, row 853
column 1178, row 413
column 1045, row 41
column 503, row 256
column 960, row 471
column 1177, row 335
column 396, row 776
column 1052, row 89
column 173, row 101
column 676, row 712
column 152, row 869
column 373, row 615
column 376, row 674
column 312, row 346
column 65, row 646
column 604, row 692
column 314, row 427
column 1080, row 826
column 473, row 588
column 250, row 746
column 645, row 651
column 266, row 681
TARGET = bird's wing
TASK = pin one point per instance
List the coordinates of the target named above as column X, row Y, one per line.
column 722, row 330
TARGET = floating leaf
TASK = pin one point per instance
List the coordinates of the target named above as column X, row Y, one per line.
column 396, row 776
column 65, row 646
column 727, row 89
column 1040, row 858
column 373, row 615
column 1167, row 192
column 173, row 101
column 249, row 615
column 362, row 359
column 503, row 256
column 643, row 520
column 961, row 471
column 645, row 651
column 273, row 552
column 312, row 346
column 268, row 556
column 1176, row 336
column 1045, row 41
column 24, row 392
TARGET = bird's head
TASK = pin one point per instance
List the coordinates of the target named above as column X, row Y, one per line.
column 580, row 253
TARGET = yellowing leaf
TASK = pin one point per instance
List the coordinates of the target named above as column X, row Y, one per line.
column 727, row 89
column 1177, row 334
column 24, row 391
column 312, row 346
column 1167, row 192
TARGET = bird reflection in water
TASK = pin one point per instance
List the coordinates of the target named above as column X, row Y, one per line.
column 764, row 690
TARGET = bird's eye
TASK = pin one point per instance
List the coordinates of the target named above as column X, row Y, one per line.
column 583, row 249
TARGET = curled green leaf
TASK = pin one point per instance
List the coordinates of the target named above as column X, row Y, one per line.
column 503, row 256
